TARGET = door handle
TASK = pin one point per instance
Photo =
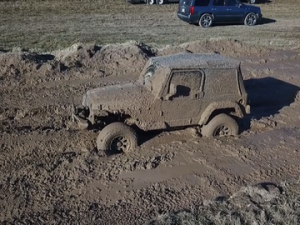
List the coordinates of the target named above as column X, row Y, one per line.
column 228, row 9
column 213, row 9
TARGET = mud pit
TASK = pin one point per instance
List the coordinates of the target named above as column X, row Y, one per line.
column 51, row 172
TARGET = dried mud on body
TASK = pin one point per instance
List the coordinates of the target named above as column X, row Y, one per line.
column 51, row 172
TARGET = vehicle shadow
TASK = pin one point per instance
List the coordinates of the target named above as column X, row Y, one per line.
column 261, row 22
column 267, row 97
column 266, row 21
column 264, row 2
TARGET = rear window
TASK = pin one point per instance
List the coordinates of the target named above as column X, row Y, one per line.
column 201, row 2
column 185, row 2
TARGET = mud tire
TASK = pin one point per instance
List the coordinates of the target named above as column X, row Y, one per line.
column 117, row 137
column 220, row 125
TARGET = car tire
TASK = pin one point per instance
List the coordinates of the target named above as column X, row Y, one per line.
column 250, row 19
column 220, row 125
column 117, row 137
column 205, row 20
column 150, row 2
column 252, row 1
column 160, row 2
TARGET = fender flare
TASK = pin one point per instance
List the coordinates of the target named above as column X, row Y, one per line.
column 220, row 105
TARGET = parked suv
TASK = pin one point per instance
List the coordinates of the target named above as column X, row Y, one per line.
column 205, row 91
column 207, row 12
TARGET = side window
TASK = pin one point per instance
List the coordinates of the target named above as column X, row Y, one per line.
column 218, row 3
column 184, row 83
column 230, row 2
column 201, row 2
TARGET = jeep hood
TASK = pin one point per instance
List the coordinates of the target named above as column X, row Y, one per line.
column 117, row 97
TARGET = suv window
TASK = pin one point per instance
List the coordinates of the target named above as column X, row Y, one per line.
column 218, row 3
column 230, row 2
column 185, row 82
column 201, row 2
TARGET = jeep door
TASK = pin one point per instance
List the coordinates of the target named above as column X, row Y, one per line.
column 181, row 97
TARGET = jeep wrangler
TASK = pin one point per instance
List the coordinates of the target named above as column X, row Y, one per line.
column 205, row 91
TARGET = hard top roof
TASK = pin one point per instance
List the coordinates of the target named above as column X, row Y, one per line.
column 191, row 60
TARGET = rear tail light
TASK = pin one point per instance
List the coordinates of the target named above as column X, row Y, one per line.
column 192, row 10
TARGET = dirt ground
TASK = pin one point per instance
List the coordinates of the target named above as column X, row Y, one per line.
column 52, row 173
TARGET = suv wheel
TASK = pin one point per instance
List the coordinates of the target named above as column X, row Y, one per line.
column 151, row 2
column 160, row 2
column 252, row 1
column 117, row 137
column 221, row 125
column 250, row 19
column 205, row 20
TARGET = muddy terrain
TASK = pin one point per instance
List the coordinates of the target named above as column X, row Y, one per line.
column 51, row 172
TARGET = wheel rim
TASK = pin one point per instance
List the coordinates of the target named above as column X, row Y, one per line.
column 252, row 1
column 206, row 21
column 151, row 2
column 222, row 130
column 160, row 2
column 251, row 19
column 120, row 144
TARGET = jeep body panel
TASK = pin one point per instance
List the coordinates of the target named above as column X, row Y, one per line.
column 173, row 91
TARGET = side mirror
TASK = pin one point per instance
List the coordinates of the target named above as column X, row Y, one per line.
column 172, row 91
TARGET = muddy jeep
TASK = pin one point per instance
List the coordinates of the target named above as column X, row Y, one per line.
column 205, row 91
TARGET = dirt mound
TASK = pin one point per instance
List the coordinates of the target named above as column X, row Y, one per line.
column 127, row 58
column 78, row 61
column 82, row 61
column 228, row 47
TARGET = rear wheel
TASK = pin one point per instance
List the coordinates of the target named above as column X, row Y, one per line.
column 250, row 19
column 160, row 2
column 151, row 2
column 117, row 137
column 220, row 125
column 252, row 1
column 205, row 20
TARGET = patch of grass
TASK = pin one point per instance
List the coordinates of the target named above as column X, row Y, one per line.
column 52, row 24
column 252, row 205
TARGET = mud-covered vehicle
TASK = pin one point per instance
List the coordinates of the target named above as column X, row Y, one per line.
column 205, row 91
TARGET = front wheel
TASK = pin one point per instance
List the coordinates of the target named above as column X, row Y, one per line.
column 160, row 2
column 117, row 137
column 220, row 125
column 205, row 20
column 252, row 1
column 250, row 19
